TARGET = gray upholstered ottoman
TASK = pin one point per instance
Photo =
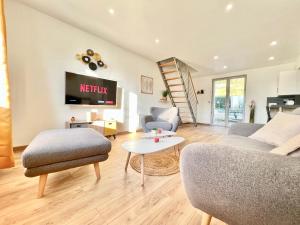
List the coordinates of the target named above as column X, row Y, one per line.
column 55, row 150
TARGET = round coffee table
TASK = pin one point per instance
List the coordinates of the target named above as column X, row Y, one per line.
column 146, row 146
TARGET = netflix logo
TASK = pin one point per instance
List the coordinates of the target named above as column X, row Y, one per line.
column 93, row 89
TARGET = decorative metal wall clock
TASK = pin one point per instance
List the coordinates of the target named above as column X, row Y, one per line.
column 92, row 59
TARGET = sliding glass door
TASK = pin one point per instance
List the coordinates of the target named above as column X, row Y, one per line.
column 228, row 100
column 219, row 101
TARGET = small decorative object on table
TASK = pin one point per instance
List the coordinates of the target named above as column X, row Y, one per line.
column 252, row 111
column 154, row 131
column 72, row 119
column 156, row 139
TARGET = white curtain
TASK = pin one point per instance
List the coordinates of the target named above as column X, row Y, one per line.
column 6, row 152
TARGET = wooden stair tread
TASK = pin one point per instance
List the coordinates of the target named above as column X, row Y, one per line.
column 167, row 64
column 174, row 85
column 169, row 71
column 173, row 78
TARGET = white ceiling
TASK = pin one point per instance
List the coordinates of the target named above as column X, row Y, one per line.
column 192, row 30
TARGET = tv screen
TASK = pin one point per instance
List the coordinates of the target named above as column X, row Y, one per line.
column 86, row 90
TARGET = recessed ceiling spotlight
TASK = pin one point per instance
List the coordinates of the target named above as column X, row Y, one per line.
column 273, row 43
column 111, row 11
column 225, row 67
column 271, row 58
column 156, row 40
column 216, row 57
column 229, row 7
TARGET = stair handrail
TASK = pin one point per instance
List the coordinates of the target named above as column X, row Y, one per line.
column 190, row 77
column 184, row 72
column 187, row 75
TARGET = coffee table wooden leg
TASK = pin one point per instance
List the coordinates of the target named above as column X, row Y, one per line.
column 142, row 169
column 178, row 150
column 127, row 161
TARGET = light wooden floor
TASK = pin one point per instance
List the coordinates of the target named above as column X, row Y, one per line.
column 74, row 197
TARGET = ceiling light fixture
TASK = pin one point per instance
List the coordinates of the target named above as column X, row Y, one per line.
column 271, row 58
column 111, row 11
column 225, row 67
column 229, row 7
column 216, row 57
column 273, row 43
column 156, row 40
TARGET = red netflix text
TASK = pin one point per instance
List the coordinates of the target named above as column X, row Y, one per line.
column 93, row 89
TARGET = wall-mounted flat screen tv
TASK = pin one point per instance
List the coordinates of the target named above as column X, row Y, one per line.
column 87, row 90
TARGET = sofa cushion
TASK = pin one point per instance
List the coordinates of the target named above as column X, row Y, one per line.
column 60, row 145
column 159, row 124
column 168, row 115
column 288, row 147
column 281, row 128
column 245, row 142
column 164, row 114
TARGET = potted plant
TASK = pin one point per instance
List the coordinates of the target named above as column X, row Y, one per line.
column 164, row 95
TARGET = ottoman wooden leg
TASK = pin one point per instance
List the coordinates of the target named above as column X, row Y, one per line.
column 97, row 170
column 42, row 184
column 206, row 218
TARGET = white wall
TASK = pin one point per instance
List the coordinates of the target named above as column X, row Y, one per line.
column 298, row 63
column 41, row 49
column 261, row 83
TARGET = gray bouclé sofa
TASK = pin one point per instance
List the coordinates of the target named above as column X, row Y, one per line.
column 239, row 182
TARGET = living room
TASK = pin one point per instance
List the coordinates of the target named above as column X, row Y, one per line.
column 189, row 119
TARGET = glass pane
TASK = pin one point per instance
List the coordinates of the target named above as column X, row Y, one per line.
column 219, row 102
column 236, row 100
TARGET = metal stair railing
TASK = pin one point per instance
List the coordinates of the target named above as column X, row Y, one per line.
column 190, row 93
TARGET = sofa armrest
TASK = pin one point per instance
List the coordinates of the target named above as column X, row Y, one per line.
column 244, row 129
column 175, row 123
column 145, row 119
column 240, row 186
